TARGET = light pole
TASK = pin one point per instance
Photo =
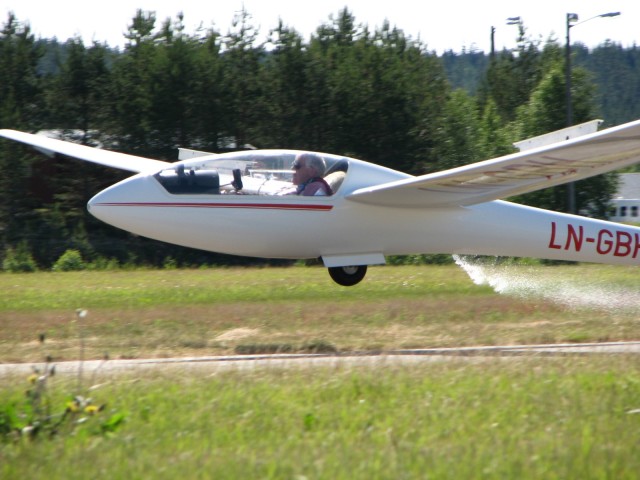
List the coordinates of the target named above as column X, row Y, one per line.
column 573, row 17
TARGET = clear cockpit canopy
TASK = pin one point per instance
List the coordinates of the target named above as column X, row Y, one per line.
column 262, row 172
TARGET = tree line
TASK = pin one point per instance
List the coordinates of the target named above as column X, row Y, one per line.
column 614, row 70
column 378, row 95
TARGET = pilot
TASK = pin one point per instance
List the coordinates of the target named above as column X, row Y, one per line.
column 308, row 170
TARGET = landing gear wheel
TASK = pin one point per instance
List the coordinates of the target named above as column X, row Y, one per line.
column 348, row 276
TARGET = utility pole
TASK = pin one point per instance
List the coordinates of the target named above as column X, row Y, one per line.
column 571, row 18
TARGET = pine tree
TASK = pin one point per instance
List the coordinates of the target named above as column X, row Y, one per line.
column 20, row 109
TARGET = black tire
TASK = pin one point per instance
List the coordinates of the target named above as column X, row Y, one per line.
column 348, row 276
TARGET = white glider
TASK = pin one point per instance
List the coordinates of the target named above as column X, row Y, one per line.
column 232, row 203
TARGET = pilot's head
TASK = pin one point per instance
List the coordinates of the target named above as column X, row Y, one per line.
column 307, row 166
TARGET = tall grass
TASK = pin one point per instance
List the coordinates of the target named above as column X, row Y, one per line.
column 568, row 418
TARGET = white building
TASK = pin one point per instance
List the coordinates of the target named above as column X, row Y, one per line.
column 626, row 201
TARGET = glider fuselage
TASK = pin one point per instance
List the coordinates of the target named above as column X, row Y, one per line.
column 294, row 227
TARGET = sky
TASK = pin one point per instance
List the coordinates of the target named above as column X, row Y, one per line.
column 443, row 25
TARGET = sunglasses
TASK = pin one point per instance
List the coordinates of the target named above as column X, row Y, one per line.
column 297, row 166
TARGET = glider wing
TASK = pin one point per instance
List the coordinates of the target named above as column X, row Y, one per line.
column 513, row 174
column 103, row 157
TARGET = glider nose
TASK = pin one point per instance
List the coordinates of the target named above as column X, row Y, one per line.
column 112, row 204
column 97, row 203
column 103, row 204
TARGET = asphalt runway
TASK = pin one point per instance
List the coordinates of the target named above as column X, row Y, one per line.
column 375, row 359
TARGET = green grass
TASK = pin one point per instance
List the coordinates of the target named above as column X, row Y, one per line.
column 568, row 418
column 221, row 311
column 140, row 288
column 525, row 418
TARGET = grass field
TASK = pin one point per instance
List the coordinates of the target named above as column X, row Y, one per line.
column 569, row 418
column 525, row 418
column 133, row 314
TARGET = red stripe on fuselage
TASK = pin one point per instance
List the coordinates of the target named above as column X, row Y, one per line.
column 261, row 206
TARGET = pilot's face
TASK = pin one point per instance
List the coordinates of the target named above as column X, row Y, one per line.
column 301, row 172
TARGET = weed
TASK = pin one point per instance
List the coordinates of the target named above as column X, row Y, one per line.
column 40, row 415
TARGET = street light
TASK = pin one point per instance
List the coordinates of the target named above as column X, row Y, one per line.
column 573, row 18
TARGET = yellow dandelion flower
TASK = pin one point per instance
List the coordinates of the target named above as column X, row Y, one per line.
column 91, row 409
column 32, row 378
